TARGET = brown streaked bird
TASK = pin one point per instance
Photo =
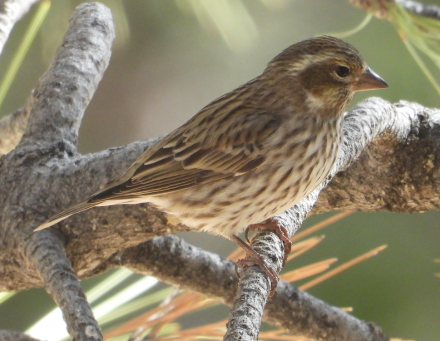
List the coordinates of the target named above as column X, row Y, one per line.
column 253, row 152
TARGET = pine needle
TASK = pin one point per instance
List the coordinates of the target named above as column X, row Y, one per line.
column 307, row 271
column 304, row 246
column 320, row 225
column 342, row 267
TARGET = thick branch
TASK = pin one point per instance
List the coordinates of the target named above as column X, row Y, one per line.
column 397, row 172
column 69, row 84
column 59, row 103
column 57, row 107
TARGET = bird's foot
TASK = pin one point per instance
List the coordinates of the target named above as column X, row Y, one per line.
column 273, row 225
column 256, row 259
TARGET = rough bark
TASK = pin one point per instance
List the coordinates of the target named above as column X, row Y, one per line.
column 56, row 110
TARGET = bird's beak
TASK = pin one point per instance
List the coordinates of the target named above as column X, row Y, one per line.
column 369, row 80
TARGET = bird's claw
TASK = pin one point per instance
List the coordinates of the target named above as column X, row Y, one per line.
column 281, row 232
column 256, row 259
column 270, row 272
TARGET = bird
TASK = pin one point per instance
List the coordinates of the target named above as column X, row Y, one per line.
column 253, row 152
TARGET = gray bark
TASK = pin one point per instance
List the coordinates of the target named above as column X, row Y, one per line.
column 56, row 110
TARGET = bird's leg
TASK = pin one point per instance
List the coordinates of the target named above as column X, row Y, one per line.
column 256, row 259
column 273, row 225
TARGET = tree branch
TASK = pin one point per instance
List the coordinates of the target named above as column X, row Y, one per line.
column 57, row 107
column 68, row 85
column 398, row 171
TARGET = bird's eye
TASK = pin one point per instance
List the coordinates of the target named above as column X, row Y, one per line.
column 342, row 71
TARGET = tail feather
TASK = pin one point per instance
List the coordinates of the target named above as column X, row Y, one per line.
column 83, row 206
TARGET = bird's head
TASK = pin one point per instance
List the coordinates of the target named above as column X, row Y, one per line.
column 324, row 72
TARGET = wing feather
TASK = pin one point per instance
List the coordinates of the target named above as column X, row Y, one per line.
column 213, row 145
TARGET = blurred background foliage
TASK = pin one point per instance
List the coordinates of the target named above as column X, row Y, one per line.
column 172, row 57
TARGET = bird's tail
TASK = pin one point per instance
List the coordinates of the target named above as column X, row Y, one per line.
column 83, row 206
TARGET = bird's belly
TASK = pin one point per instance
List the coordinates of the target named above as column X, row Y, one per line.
column 228, row 206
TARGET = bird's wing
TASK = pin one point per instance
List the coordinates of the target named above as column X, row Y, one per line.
column 207, row 148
